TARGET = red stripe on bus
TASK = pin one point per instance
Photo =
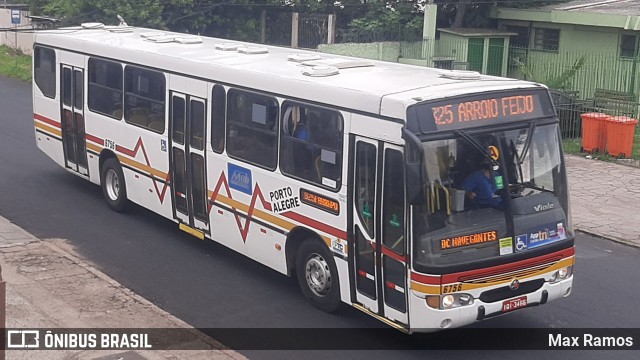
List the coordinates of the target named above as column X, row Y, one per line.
column 501, row 269
column 128, row 152
column 94, row 139
column 47, row 120
column 390, row 253
column 316, row 224
column 426, row 279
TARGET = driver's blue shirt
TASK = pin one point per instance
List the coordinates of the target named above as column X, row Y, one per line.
column 483, row 187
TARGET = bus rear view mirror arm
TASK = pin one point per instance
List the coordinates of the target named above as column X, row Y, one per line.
column 414, row 169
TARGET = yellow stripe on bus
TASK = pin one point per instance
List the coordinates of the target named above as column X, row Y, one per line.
column 425, row 289
column 142, row 167
column 261, row 214
column 560, row 264
column 94, row 147
column 48, row 129
column 435, row 289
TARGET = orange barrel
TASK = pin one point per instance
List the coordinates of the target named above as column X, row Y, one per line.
column 594, row 128
column 620, row 132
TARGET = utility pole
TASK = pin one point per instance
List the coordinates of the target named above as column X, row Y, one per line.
column 429, row 31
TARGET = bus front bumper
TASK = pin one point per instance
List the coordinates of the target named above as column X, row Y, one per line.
column 427, row 319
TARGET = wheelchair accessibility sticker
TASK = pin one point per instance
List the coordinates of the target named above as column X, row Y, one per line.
column 521, row 242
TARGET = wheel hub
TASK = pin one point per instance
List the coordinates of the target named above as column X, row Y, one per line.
column 112, row 184
column 318, row 275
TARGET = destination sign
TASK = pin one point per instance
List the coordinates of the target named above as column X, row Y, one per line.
column 466, row 240
column 477, row 110
column 319, row 201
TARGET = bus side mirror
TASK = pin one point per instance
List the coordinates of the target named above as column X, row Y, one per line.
column 414, row 169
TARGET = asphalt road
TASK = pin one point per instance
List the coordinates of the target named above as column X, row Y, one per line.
column 208, row 285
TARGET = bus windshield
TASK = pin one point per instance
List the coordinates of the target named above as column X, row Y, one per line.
column 491, row 194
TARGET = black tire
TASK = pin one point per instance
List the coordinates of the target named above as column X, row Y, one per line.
column 113, row 186
column 318, row 276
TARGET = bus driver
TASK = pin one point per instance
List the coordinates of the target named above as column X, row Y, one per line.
column 480, row 187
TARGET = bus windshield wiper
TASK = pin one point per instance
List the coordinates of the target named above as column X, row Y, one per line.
column 527, row 144
column 477, row 146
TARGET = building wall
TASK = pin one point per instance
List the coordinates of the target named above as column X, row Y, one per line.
column 386, row 51
column 453, row 46
column 603, row 69
column 8, row 38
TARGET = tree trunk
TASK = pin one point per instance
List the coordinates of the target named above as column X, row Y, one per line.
column 460, row 11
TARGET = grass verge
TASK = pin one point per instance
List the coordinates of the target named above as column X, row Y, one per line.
column 15, row 65
column 573, row 146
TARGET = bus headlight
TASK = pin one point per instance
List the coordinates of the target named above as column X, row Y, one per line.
column 561, row 274
column 449, row 301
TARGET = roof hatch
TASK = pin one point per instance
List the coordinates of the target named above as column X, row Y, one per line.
column 339, row 63
column 460, row 75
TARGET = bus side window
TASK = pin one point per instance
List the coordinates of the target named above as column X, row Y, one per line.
column 311, row 144
column 105, row 88
column 45, row 71
column 251, row 128
column 218, row 110
column 144, row 100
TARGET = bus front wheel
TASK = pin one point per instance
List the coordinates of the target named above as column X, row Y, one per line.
column 114, row 188
column 318, row 276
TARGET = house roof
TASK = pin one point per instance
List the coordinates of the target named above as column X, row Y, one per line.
column 476, row 32
column 621, row 14
column 615, row 7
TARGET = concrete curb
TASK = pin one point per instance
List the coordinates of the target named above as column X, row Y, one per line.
column 610, row 238
column 50, row 243
column 24, row 285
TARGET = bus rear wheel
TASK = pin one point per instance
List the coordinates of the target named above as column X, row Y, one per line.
column 114, row 188
column 318, row 276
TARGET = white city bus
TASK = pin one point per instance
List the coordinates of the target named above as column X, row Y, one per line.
column 348, row 173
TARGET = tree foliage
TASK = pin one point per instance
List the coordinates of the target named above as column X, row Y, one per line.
column 240, row 19
column 557, row 81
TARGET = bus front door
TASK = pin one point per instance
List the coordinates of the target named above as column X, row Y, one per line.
column 72, row 117
column 187, row 158
column 380, row 256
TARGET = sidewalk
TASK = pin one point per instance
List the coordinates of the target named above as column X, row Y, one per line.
column 605, row 199
column 49, row 287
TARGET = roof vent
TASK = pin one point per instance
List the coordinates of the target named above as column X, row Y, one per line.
column 253, row 50
column 339, row 63
column 320, row 71
column 119, row 29
column 227, row 46
column 151, row 34
column 161, row 38
column 303, row 57
column 460, row 75
column 188, row 39
column 92, row 25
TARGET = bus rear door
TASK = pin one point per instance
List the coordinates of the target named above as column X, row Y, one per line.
column 187, row 160
column 72, row 113
column 380, row 256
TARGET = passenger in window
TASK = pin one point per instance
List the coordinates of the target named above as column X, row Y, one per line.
column 300, row 130
column 480, row 187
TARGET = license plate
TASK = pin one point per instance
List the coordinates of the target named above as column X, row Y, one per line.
column 514, row 304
